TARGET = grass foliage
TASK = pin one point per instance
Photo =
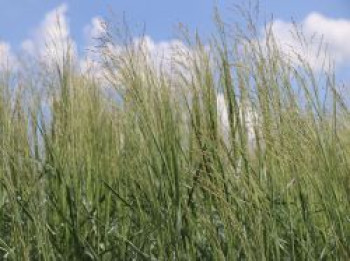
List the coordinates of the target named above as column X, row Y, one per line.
column 145, row 165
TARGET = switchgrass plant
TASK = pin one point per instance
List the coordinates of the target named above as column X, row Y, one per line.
column 228, row 151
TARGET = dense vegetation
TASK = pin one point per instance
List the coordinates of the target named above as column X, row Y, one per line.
column 228, row 152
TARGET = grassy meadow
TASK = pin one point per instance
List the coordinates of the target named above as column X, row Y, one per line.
column 226, row 150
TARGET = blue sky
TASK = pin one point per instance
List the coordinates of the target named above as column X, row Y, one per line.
column 23, row 21
column 18, row 18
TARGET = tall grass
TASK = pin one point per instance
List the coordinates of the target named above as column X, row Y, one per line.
column 227, row 152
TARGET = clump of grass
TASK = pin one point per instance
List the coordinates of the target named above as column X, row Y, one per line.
column 232, row 152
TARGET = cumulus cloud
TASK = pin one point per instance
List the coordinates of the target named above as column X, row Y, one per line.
column 334, row 34
column 161, row 55
column 90, row 63
column 165, row 56
column 94, row 30
column 248, row 117
column 7, row 58
column 51, row 41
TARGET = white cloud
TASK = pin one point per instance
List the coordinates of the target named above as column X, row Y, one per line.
column 165, row 56
column 334, row 33
column 91, row 62
column 7, row 58
column 222, row 112
column 161, row 55
column 248, row 117
column 51, row 41
column 94, row 30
